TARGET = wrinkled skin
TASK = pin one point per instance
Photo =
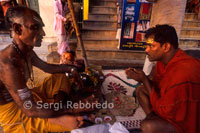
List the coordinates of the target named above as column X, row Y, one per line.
column 12, row 70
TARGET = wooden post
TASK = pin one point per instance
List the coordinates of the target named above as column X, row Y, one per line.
column 78, row 34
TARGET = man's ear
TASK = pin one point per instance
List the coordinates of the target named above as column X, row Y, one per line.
column 17, row 28
column 167, row 47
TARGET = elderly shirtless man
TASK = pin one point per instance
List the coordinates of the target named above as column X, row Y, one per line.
column 15, row 62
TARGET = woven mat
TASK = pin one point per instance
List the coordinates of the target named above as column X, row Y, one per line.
column 116, row 81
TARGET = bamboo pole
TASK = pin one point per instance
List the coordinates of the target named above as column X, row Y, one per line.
column 78, row 34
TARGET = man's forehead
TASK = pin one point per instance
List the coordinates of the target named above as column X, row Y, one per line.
column 35, row 18
column 38, row 20
column 150, row 40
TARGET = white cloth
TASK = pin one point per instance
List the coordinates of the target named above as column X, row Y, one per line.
column 117, row 127
column 147, row 66
column 112, row 83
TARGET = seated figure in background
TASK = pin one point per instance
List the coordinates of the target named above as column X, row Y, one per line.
column 172, row 99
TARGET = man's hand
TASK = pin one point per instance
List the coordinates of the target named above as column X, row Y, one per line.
column 137, row 75
column 76, row 76
column 91, row 100
column 75, row 122
column 69, row 122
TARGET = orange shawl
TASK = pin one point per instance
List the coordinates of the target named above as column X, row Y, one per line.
column 178, row 99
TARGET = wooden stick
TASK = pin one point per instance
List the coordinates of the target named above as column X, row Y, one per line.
column 78, row 34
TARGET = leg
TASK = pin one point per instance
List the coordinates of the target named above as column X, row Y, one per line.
column 143, row 98
column 52, row 89
column 157, row 125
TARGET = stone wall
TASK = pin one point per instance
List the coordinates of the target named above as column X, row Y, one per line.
column 33, row 4
column 169, row 12
column 47, row 13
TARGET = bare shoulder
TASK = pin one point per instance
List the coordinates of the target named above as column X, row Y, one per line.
column 9, row 64
column 6, row 59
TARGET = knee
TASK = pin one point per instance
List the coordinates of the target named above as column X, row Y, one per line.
column 139, row 91
column 147, row 126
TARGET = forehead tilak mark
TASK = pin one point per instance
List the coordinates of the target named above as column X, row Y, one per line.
column 150, row 40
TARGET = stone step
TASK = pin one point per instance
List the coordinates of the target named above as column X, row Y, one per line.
column 95, row 32
column 189, row 43
column 93, row 43
column 4, row 44
column 190, row 32
column 102, row 10
column 101, row 24
column 191, row 23
column 4, row 31
column 103, row 3
column 53, row 46
column 104, row 17
column 190, row 16
column 112, row 54
column 100, row 44
column 53, row 58
column 116, row 63
column 5, row 38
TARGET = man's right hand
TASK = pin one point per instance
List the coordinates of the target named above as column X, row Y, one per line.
column 91, row 100
column 137, row 75
column 69, row 122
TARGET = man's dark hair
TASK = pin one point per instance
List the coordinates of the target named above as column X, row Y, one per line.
column 163, row 34
column 16, row 14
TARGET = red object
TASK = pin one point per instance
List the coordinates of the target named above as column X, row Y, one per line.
column 117, row 98
column 5, row 5
column 179, row 97
column 138, row 37
column 146, row 8
column 118, row 102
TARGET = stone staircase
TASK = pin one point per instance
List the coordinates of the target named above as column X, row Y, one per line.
column 101, row 45
column 190, row 33
column 99, row 36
